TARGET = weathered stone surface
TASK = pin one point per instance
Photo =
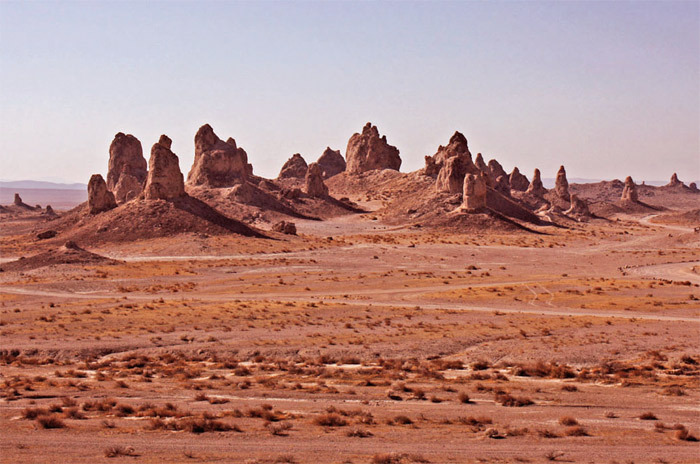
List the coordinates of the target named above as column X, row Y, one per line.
column 693, row 186
column 502, row 185
column 284, row 227
column 536, row 187
column 165, row 180
column 674, row 181
column 99, row 197
column 217, row 163
column 497, row 170
column 331, row 163
column 518, row 181
column 18, row 200
column 629, row 192
column 50, row 211
column 368, row 151
column 457, row 146
column 561, row 184
column 295, row 167
column 315, row 187
column 46, row 234
column 451, row 177
column 578, row 208
column 474, row 193
column 126, row 159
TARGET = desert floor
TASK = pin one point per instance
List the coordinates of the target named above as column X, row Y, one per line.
column 358, row 342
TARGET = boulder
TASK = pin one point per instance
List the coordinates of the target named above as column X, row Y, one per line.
column 368, row 151
column 331, row 163
column 578, row 208
column 674, row 181
column 100, row 199
column 217, row 163
column 561, row 184
column 315, row 187
column 518, row 181
column 46, row 234
column 536, row 187
column 451, row 177
column 474, row 194
column 295, row 167
column 284, row 227
column 165, row 180
column 693, row 186
column 50, row 211
column 126, row 161
column 629, row 192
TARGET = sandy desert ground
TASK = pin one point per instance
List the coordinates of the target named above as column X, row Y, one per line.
column 358, row 341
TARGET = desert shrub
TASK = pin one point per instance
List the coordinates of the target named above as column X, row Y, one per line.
column 33, row 413
column 545, row 433
column 279, row 429
column 116, row 451
column 202, row 425
column 359, row 433
column 576, row 431
column 401, row 420
column 648, row 416
column 506, row 399
column 330, row 420
column 568, row 421
column 50, row 422
column 463, row 397
column 683, row 434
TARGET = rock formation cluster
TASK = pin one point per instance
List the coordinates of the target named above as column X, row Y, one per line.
column 474, row 193
column 165, row 180
column 368, row 151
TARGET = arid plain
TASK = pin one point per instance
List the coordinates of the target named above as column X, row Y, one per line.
column 358, row 316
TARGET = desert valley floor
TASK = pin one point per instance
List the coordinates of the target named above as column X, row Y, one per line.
column 357, row 341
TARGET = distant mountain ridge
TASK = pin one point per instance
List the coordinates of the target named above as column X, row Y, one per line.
column 38, row 184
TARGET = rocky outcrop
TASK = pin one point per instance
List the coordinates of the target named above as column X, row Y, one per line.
column 165, row 180
column 502, row 185
column 47, row 234
column 518, row 181
column 561, row 184
column 481, row 165
column 295, row 167
column 315, row 187
column 284, row 227
column 100, row 199
column 217, row 163
column 18, row 201
column 451, row 177
column 497, row 170
column 331, row 163
column 368, row 151
column 49, row 211
column 456, row 147
column 536, row 187
column 127, row 169
column 474, row 193
column 629, row 192
column 693, row 186
column 578, row 208
column 674, row 181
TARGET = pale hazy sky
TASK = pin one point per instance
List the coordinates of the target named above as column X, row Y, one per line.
column 608, row 89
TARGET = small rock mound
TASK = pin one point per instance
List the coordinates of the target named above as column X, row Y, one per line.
column 70, row 253
column 315, row 187
column 368, row 151
column 18, row 202
column 284, row 227
column 100, row 199
column 518, row 181
column 561, row 185
column 331, row 163
column 217, row 163
column 165, row 180
column 127, row 168
column 50, row 212
column 536, row 187
column 578, row 209
column 674, row 182
column 629, row 192
column 295, row 167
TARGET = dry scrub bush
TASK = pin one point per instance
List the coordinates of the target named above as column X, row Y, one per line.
column 330, row 420
column 116, row 451
column 506, row 399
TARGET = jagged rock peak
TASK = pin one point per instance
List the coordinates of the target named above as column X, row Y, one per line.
column 165, row 180
column 629, row 191
column 217, row 163
column 331, row 163
column 368, row 151
column 295, row 167
column 518, row 181
column 561, row 185
column 99, row 197
column 315, row 187
column 674, row 181
column 536, row 187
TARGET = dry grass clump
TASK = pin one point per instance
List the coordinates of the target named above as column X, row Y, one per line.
column 330, row 419
column 545, row 370
column 576, row 431
column 116, row 451
column 194, row 425
column 568, row 421
column 648, row 416
column 279, row 429
column 51, row 422
column 683, row 434
column 359, row 433
column 399, row 420
column 463, row 397
column 506, row 399
column 398, row 458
